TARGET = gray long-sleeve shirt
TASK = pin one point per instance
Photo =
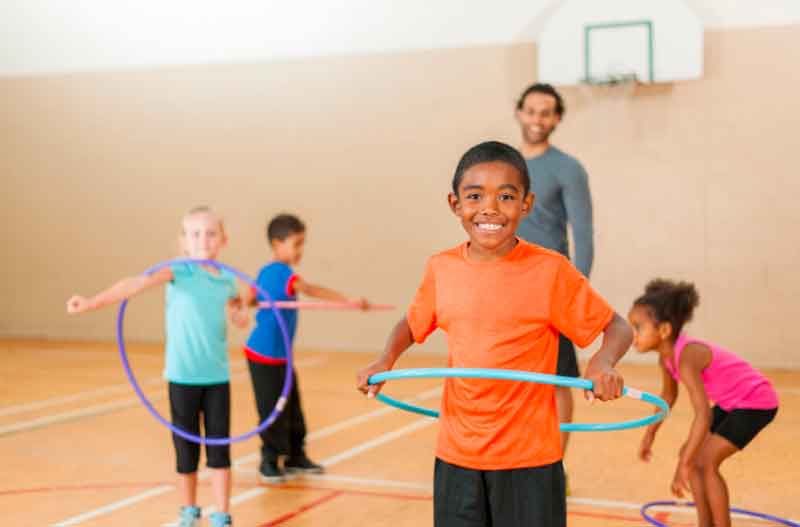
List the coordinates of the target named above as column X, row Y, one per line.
column 562, row 193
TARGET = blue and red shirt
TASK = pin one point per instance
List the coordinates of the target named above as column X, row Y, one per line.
column 266, row 344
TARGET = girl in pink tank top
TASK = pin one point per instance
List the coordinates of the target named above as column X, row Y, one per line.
column 744, row 400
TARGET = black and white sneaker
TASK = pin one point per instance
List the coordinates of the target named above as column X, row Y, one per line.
column 270, row 472
column 302, row 465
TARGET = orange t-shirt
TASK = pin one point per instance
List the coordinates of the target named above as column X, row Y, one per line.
column 504, row 314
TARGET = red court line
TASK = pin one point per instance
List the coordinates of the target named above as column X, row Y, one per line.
column 334, row 492
column 241, row 484
column 68, row 488
column 662, row 516
column 308, row 506
column 102, row 486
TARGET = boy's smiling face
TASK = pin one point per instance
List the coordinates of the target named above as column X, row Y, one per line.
column 491, row 201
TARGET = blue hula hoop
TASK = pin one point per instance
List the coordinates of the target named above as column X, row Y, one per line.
column 526, row 376
column 287, row 382
column 760, row 515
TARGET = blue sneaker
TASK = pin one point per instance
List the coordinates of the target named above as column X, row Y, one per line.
column 190, row 517
column 220, row 519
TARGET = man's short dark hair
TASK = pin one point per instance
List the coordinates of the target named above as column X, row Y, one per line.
column 488, row 152
column 284, row 225
column 546, row 89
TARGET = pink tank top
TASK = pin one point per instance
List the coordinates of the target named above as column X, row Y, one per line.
column 730, row 381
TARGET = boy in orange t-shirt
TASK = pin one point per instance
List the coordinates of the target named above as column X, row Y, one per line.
column 502, row 302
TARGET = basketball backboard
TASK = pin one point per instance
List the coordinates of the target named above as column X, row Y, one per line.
column 586, row 41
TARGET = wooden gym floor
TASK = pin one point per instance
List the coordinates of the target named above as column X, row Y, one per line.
column 77, row 447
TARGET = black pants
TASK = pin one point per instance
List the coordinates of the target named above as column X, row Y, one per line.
column 520, row 497
column 186, row 403
column 567, row 365
column 287, row 435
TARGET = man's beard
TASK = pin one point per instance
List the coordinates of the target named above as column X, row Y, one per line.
column 537, row 139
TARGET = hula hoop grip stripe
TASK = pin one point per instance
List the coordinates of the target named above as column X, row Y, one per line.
column 281, row 403
column 526, row 376
column 633, row 393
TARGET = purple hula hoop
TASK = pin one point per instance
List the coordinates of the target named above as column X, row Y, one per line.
column 754, row 514
column 287, row 382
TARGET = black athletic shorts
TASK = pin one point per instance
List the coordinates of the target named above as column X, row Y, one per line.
column 740, row 426
column 517, row 497
column 567, row 358
column 187, row 403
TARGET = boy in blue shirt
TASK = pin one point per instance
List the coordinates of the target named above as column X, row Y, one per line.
column 196, row 354
column 266, row 352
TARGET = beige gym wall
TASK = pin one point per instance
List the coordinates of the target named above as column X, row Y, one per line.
column 694, row 180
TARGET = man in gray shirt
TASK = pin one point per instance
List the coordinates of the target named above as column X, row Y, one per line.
column 562, row 193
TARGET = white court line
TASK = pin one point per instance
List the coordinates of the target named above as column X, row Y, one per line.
column 76, row 520
column 613, row 504
column 604, row 504
column 365, row 482
column 205, row 473
column 428, row 487
column 89, row 411
column 347, row 423
column 66, row 399
column 378, row 441
column 252, row 493
column 95, row 410
column 333, row 460
column 58, row 401
column 244, row 496
column 68, row 416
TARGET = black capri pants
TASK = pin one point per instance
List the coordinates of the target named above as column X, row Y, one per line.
column 187, row 402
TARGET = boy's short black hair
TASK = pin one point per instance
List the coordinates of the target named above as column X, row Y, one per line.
column 546, row 89
column 488, row 152
column 284, row 225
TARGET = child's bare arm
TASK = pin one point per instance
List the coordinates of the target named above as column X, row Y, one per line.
column 237, row 311
column 694, row 359
column 249, row 297
column 122, row 290
column 608, row 383
column 669, row 392
column 400, row 339
column 325, row 293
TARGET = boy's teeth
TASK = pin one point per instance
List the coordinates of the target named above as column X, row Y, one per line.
column 489, row 226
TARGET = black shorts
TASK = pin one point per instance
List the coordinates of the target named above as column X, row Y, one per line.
column 187, row 402
column 567, row 358
column 517, row 497
column 740, row 426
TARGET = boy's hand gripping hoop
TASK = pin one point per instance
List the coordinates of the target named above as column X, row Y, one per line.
column 525, row 376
